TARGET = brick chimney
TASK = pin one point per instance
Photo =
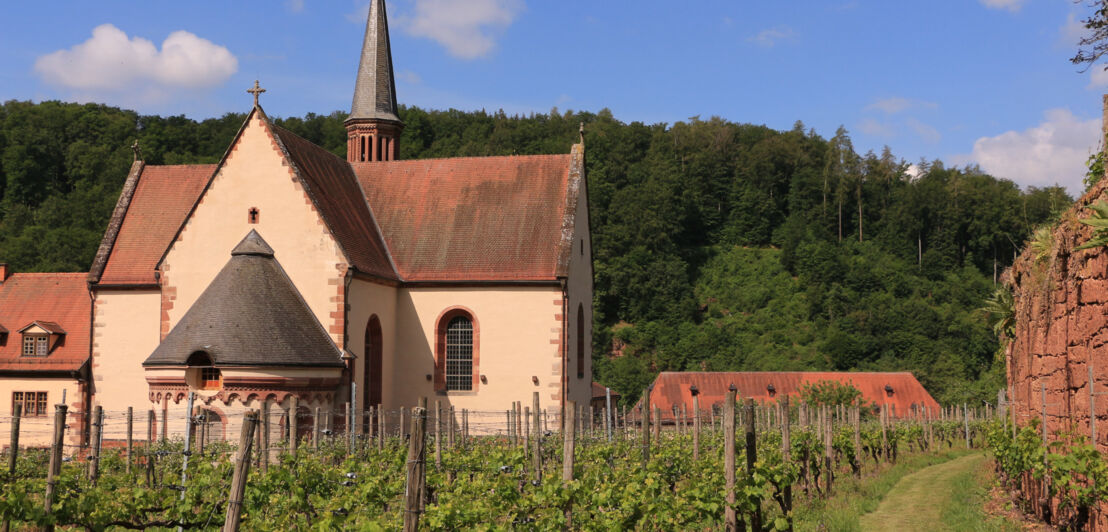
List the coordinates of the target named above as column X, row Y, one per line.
column 4, row 272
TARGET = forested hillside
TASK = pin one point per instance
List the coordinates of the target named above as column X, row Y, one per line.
column 718, row 246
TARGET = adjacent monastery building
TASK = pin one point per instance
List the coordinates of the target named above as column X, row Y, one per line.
column 285, row 271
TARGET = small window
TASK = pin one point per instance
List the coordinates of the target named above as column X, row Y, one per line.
column 36, row 345
column 33, row 403
column 210, row 378
column 253, row 215
column 582, row 241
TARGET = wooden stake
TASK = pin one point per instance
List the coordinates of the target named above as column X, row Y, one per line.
column 55, row 458
column 751, row 457
column 730, row 519
column 130, row 436
column 568, row 448
column 644, row 422
column 416, row 467
column 294, row 424
column 536, row 453
column 242, row 469
column 438, row 436
column 316, row 430
column 263, row 453
column 17, row 411
column 696, row 428
column 94, row 444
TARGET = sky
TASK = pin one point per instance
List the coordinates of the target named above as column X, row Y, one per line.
column 985, row 82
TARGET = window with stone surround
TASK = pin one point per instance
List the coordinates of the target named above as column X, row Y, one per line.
column 456, row 352
column 33, row 403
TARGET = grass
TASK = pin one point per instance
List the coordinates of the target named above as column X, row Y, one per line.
column 963, row 510
column 853, row 497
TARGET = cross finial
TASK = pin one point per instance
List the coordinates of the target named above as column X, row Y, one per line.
column 138, row 151
column 581, row 132
column 256, row 90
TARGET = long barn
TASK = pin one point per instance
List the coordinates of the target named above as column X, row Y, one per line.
column 899, row 390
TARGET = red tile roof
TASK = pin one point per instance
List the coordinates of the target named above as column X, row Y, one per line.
column 672, row 388
column 334, row 189
column 61, row 298
column 48, row 326
column 599, row 391
column 473, row 219
column 162, row 198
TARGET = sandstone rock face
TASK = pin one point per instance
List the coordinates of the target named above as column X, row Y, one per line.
column 1061, row 310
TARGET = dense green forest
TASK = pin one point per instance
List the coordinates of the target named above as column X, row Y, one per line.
column 718, row 245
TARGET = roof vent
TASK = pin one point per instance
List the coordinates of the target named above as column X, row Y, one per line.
column 694, row 390
column 771, row 389
column 888, row 389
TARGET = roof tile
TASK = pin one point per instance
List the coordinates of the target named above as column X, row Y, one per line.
column 162, row 199
column 59, row 301
column 672, row 388
column 471, row 219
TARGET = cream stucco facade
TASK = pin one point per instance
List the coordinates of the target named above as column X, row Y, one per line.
column 125, row 331
column 36, row 430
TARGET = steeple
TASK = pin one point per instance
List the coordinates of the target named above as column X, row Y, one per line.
column 374, row 126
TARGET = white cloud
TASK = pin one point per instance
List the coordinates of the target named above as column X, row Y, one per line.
column 1052, row 152
column 913, row 171
column 295, row 6
column 110, row 61
column 896, row 105
column 1072, row 31
column 770, row 37
column 466, row 28
column 1098, row 77
column 1010, row 5
column 870, row 126
column 925, row 131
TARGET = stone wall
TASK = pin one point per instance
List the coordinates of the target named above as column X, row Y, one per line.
column 1061, row 332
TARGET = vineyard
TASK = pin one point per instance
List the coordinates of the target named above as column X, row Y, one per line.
column 739, row 465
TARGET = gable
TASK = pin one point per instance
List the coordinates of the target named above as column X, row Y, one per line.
column 255, row 174
column 474, row 219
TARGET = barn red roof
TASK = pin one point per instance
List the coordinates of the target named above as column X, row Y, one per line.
column 474, row 218
column 331, row 184
column 161, row 199
column 672, row 388
column 58, row 301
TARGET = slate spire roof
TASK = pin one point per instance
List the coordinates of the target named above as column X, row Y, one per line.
column 250, row 315
column 375, row 89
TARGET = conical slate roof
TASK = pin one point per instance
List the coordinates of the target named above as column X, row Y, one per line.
column 375, row 90
column 250, row 315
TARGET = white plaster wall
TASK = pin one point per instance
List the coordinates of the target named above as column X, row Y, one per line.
column 367, row 299
column 518, row 331
column 125, row 331
column 38, row 431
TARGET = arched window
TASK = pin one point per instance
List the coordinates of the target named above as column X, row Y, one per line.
column 207, row 376
column 580, row 341
column 372, row 364
column 456, row 354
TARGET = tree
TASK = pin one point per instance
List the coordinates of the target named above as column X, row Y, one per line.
column 1094, row 45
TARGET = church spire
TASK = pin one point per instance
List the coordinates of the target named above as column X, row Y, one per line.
column 374, row 125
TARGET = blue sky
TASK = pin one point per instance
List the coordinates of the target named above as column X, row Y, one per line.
column 965, row 81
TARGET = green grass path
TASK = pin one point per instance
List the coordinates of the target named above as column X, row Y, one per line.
column 945, row 496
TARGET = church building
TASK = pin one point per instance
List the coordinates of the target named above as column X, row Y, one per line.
column 286, row 271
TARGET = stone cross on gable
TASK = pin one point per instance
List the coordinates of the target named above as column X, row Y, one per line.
column 256, row 91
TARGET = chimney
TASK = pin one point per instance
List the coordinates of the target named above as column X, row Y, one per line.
column 4, row 272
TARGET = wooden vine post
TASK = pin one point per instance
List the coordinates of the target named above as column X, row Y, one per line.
column 17, row 411
column 416, row 467
column 569, row 444
column 94, row 444
column 730, row 520
column 536, row 453
column 644, row 422
column 130, row 437
column 696, row 428
column 438, row 435
column 751, row 457
column 242, row 469
column 55, row 459
column 294, row 424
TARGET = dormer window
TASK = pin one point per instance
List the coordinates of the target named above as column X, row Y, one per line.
column 40, row 337
column 35, row 345
column 204, row 374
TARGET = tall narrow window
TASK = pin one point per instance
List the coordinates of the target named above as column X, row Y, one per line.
column 580, row 341
column 459, row 354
